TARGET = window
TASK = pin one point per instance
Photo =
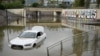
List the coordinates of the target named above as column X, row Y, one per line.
column 27, row 35
column 39, row 34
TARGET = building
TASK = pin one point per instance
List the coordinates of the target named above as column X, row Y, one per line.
column 41, row 2
column 93, row 4
column 56, row 3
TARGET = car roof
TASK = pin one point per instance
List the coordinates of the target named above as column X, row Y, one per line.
column 38, row 28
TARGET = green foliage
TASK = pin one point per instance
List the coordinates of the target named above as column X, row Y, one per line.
column 76, row 3
column 79, row 3
column 22, row 1
column 1, row 6
column 62, row 5
column 0, row 1
column 98, row 3
column 14, row 4
column 35, row 5
column 53, row 2
column 87, row 3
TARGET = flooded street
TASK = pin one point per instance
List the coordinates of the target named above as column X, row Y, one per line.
column 54, row 34
column 84, row 44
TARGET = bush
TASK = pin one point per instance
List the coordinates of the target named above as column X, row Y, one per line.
column 35, row 5
column 62, row 6
column 16, row 4
column 1, row 6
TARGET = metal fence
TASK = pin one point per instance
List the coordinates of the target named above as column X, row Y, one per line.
column 79, row 44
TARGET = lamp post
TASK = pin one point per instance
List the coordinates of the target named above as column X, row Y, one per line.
column 7, row 25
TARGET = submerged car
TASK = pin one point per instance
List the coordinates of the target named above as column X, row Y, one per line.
column 29, row 38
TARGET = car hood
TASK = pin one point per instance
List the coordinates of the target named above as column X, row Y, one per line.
column 22, row 41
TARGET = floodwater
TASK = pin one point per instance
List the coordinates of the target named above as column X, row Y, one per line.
column 55, row 33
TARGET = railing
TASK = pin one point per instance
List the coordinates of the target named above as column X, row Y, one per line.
column 77, row 44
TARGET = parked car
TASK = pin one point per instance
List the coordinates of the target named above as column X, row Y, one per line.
column 29, row 38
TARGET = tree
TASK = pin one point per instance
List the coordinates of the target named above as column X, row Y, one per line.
column 1, row 6
column 15, row 4
column 79, row 3
column 0, row 1
column 62, row 5
column 35, row 5
column 87, row 3
column 76, row 3
column 22, row 1
column 65, row 5
column 98, row 3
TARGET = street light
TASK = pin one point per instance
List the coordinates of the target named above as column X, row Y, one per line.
column 7, row 24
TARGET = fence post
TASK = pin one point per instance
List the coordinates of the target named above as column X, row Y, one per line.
column 47, row 51
column 61, row 49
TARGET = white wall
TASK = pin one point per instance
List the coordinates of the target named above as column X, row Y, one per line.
column 82, row 13
column 16, row 11
column 21, row 12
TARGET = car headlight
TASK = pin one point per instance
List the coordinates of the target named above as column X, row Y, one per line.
column 28, row 45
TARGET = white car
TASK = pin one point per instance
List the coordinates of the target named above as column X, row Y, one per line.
column 29, row 38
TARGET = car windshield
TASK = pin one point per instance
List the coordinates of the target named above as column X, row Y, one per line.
column 27, row 35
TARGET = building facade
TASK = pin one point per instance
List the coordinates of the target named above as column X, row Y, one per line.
column 57, row 3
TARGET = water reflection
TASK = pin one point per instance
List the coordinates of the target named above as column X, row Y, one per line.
column 53, row 31
column 44, row 19
column 86, row 43
column 15, row 28
column 78, row 40
column 1, row 37
column 56, row 28
column 96, row 43
column 73, row 23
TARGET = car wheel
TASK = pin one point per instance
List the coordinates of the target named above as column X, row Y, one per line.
column 34, row 44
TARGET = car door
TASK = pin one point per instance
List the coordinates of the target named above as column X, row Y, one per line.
column 40, row 37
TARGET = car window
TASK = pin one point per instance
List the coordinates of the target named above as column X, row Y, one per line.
column 27, row 35
column 39, row 34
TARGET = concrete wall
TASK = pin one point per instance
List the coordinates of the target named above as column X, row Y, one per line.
column 81, row 13
column 67, row 12
column 98, row 13
column 16, row 11
column 20, row 15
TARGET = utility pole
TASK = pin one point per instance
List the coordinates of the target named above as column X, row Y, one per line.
column 7, row 24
